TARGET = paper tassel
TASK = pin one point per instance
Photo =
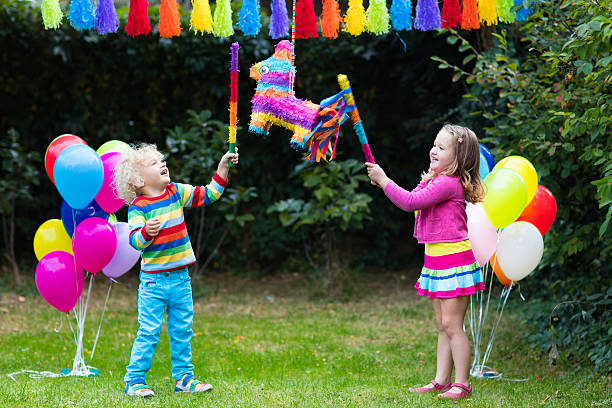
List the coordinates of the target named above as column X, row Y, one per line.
column 401, row 15
column 505, row 12
column 169, row 19
column 106, row 17
column 279, row 22
column 330, row 19
column 524, row 10
column 488, row 11
column 138, row 19
column 451, row 14
column 201, row 18
column 305, row 20
column 355, row 18
column 81, row 14
column 469, row 15
column 378, row 17
column 248, row 17
column 51, row 14
column 222, row 20
column 427, row 15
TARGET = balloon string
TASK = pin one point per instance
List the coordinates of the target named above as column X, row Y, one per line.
column 71, row 329
column 110, row 285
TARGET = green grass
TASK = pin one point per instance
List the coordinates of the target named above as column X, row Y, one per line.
column 264, row 344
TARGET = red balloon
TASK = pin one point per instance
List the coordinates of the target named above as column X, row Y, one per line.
column 541, row 211
column 55, row 148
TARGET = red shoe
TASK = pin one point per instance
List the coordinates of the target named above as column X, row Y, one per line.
column 436, row 387
column 466, row 391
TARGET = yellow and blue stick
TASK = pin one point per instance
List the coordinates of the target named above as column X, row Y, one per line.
column 354, row 114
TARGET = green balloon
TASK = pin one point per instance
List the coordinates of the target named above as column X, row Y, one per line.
column 114, row 146
column 505, row 196
column 112, row 218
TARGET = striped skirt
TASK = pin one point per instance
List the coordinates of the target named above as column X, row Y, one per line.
column 450, row 270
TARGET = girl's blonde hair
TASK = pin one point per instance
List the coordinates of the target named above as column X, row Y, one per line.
column 466, row 164
column 128, row 170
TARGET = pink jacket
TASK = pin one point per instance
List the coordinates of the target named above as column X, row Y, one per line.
column 441, row 201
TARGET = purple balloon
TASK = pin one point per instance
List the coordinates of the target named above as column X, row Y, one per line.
column 107, row 196
column 125, row 255
column 94, row 244
column 59, row 281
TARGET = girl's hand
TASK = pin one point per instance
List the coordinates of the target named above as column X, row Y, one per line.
column 223, row 167
column 152, row 227
column 377, row 175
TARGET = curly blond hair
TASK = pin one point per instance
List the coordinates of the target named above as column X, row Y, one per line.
column 128, row 170
column 466, row 164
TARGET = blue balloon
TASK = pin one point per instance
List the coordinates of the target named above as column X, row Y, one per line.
column 71, row 217
column 483, row 170
column 78, row 175
column 488, row 156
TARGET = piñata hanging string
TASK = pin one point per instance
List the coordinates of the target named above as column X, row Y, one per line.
column 292, row 72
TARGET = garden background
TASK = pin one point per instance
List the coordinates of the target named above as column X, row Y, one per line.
column 540, row 89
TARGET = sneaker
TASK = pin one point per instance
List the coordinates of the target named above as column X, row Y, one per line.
column 188, row 383
column 138, row 390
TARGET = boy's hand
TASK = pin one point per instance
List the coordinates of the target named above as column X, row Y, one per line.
column 377, row 175
column 223, row 166
column 152, row 227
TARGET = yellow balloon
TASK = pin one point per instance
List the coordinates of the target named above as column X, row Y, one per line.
column 51, row 236
column 113, row 146
column 505, row 196
column 525, row 169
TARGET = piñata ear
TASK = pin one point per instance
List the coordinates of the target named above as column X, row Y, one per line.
column 283, row 51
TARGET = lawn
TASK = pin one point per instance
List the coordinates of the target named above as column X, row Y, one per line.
column 264, row 343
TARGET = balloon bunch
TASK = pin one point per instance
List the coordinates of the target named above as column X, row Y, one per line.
column 505, row 232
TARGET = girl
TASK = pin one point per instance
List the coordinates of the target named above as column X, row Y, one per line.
column 451, row 273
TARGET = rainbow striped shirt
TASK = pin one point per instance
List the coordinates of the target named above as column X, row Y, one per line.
column 171, row 248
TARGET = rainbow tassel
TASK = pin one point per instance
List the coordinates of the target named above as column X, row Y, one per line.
column 138, row 19
column 401, row 15
column 451, row 14
column 305, row 20
column 248, row 17
column 81, row 15
column 469, row 16
column 106, row 17
column 488, row 11
column 222, row 20
column 524, row 10
column 330, row 19
column 505, row 12
column 51, row 14
column 427, row 15
column 169, row 19
column 378, row 17
column 355, row 18
column 201, row 18
column 279, row 22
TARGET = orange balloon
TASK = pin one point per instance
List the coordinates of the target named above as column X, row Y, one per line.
column 498, row 271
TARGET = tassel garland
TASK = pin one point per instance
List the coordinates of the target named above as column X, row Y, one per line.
column 138, row 19
column 222, row 20
column 81, row 14
column 106, row 17
column 427, row 15
column 505, row 12
column 378, row 17
column 488, row 11
column 524, row 9
column 201, row 18
column 51, row 14
column 305, row 20
column 279, row 21
column 248, row 17
column 401, row 15
column 169, row 19
column 470, row 20
column 355, row 18
column 330, row 19
column 451, row 14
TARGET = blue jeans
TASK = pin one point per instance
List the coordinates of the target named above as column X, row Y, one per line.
column 159, row 293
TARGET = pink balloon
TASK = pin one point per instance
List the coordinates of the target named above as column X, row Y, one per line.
column 59, row 281
column 107, row 196
column 125, row 255
column 94, row 244
column 481, row 233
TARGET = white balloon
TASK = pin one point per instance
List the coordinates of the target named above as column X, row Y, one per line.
column 519, row 249
column 481, row 233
